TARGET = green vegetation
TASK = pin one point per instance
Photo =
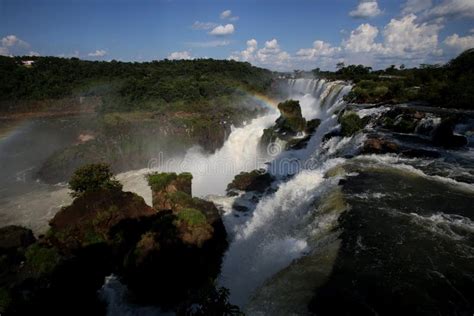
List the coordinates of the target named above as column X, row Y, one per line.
column 351, row 123
column 450, row 85
column 191, row 216
column 126, row 86
column 93, row 177
column 159, row 181
column 41, row 260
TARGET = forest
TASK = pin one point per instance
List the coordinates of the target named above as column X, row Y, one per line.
column 126, row 86
column 450, row 85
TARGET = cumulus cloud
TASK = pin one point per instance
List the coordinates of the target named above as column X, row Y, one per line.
column 319, row 49
column 222, row 30
column 180, row 55
column 98, row 53
column 13, row 45
column 248, row 53
column 270, row 55
column 405, row 36
column 459, row 43
column 33, row 53
column 13, row 40
column 203, row 25
column 366, row 9
column 362, row 40
column 227, row 15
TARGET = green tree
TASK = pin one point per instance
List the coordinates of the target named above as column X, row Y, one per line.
column 92, row 177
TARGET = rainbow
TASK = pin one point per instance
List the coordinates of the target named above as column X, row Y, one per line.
column 260, row 98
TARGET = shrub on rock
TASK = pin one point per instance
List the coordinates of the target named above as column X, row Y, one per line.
column 351, row 123
column 92, row 177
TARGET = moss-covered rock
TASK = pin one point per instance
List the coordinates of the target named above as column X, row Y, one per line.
column 165, row 187
column 351, row 123
column 89, row 219
column 288, row 125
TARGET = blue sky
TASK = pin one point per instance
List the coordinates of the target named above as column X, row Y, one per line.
column 281, row 35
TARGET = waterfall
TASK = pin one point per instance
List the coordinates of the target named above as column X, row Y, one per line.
column 278, row 230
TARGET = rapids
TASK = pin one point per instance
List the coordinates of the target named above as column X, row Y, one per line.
column 287, row 251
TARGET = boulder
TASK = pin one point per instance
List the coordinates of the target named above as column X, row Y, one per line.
column 288, row 125
column 351, row 123
column 443, row 135
column 256, row 180
column 91, row 216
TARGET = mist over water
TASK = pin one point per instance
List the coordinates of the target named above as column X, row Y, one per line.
column 277, row 239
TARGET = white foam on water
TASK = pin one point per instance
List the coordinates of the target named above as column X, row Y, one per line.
column 275, row 235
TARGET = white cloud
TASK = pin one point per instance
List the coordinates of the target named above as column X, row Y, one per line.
column 248, row 53
column 453, row 8
column 222, row 30
column 366, row 9
column 209, row 44
column 362, row 40
column 33, row 53
column 98, row 53
column 415, row 6
column 203, row 25
column 460, row 43
column 12, row 45
column 271, row 55
column 408, row 38
column 227, row 15
column 13, row 40
column 319, row 49
column 180, row 55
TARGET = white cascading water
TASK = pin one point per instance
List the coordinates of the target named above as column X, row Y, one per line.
column 277, row 231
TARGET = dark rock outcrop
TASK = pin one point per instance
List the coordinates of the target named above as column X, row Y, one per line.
column 256, row 180
column 165, row 257
column 287, row 126
column 14, row 237
column 91, row 216
column 443, row 135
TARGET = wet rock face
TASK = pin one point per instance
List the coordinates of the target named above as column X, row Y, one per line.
column 443, row 135
column 288, row 125
column 256, row 180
